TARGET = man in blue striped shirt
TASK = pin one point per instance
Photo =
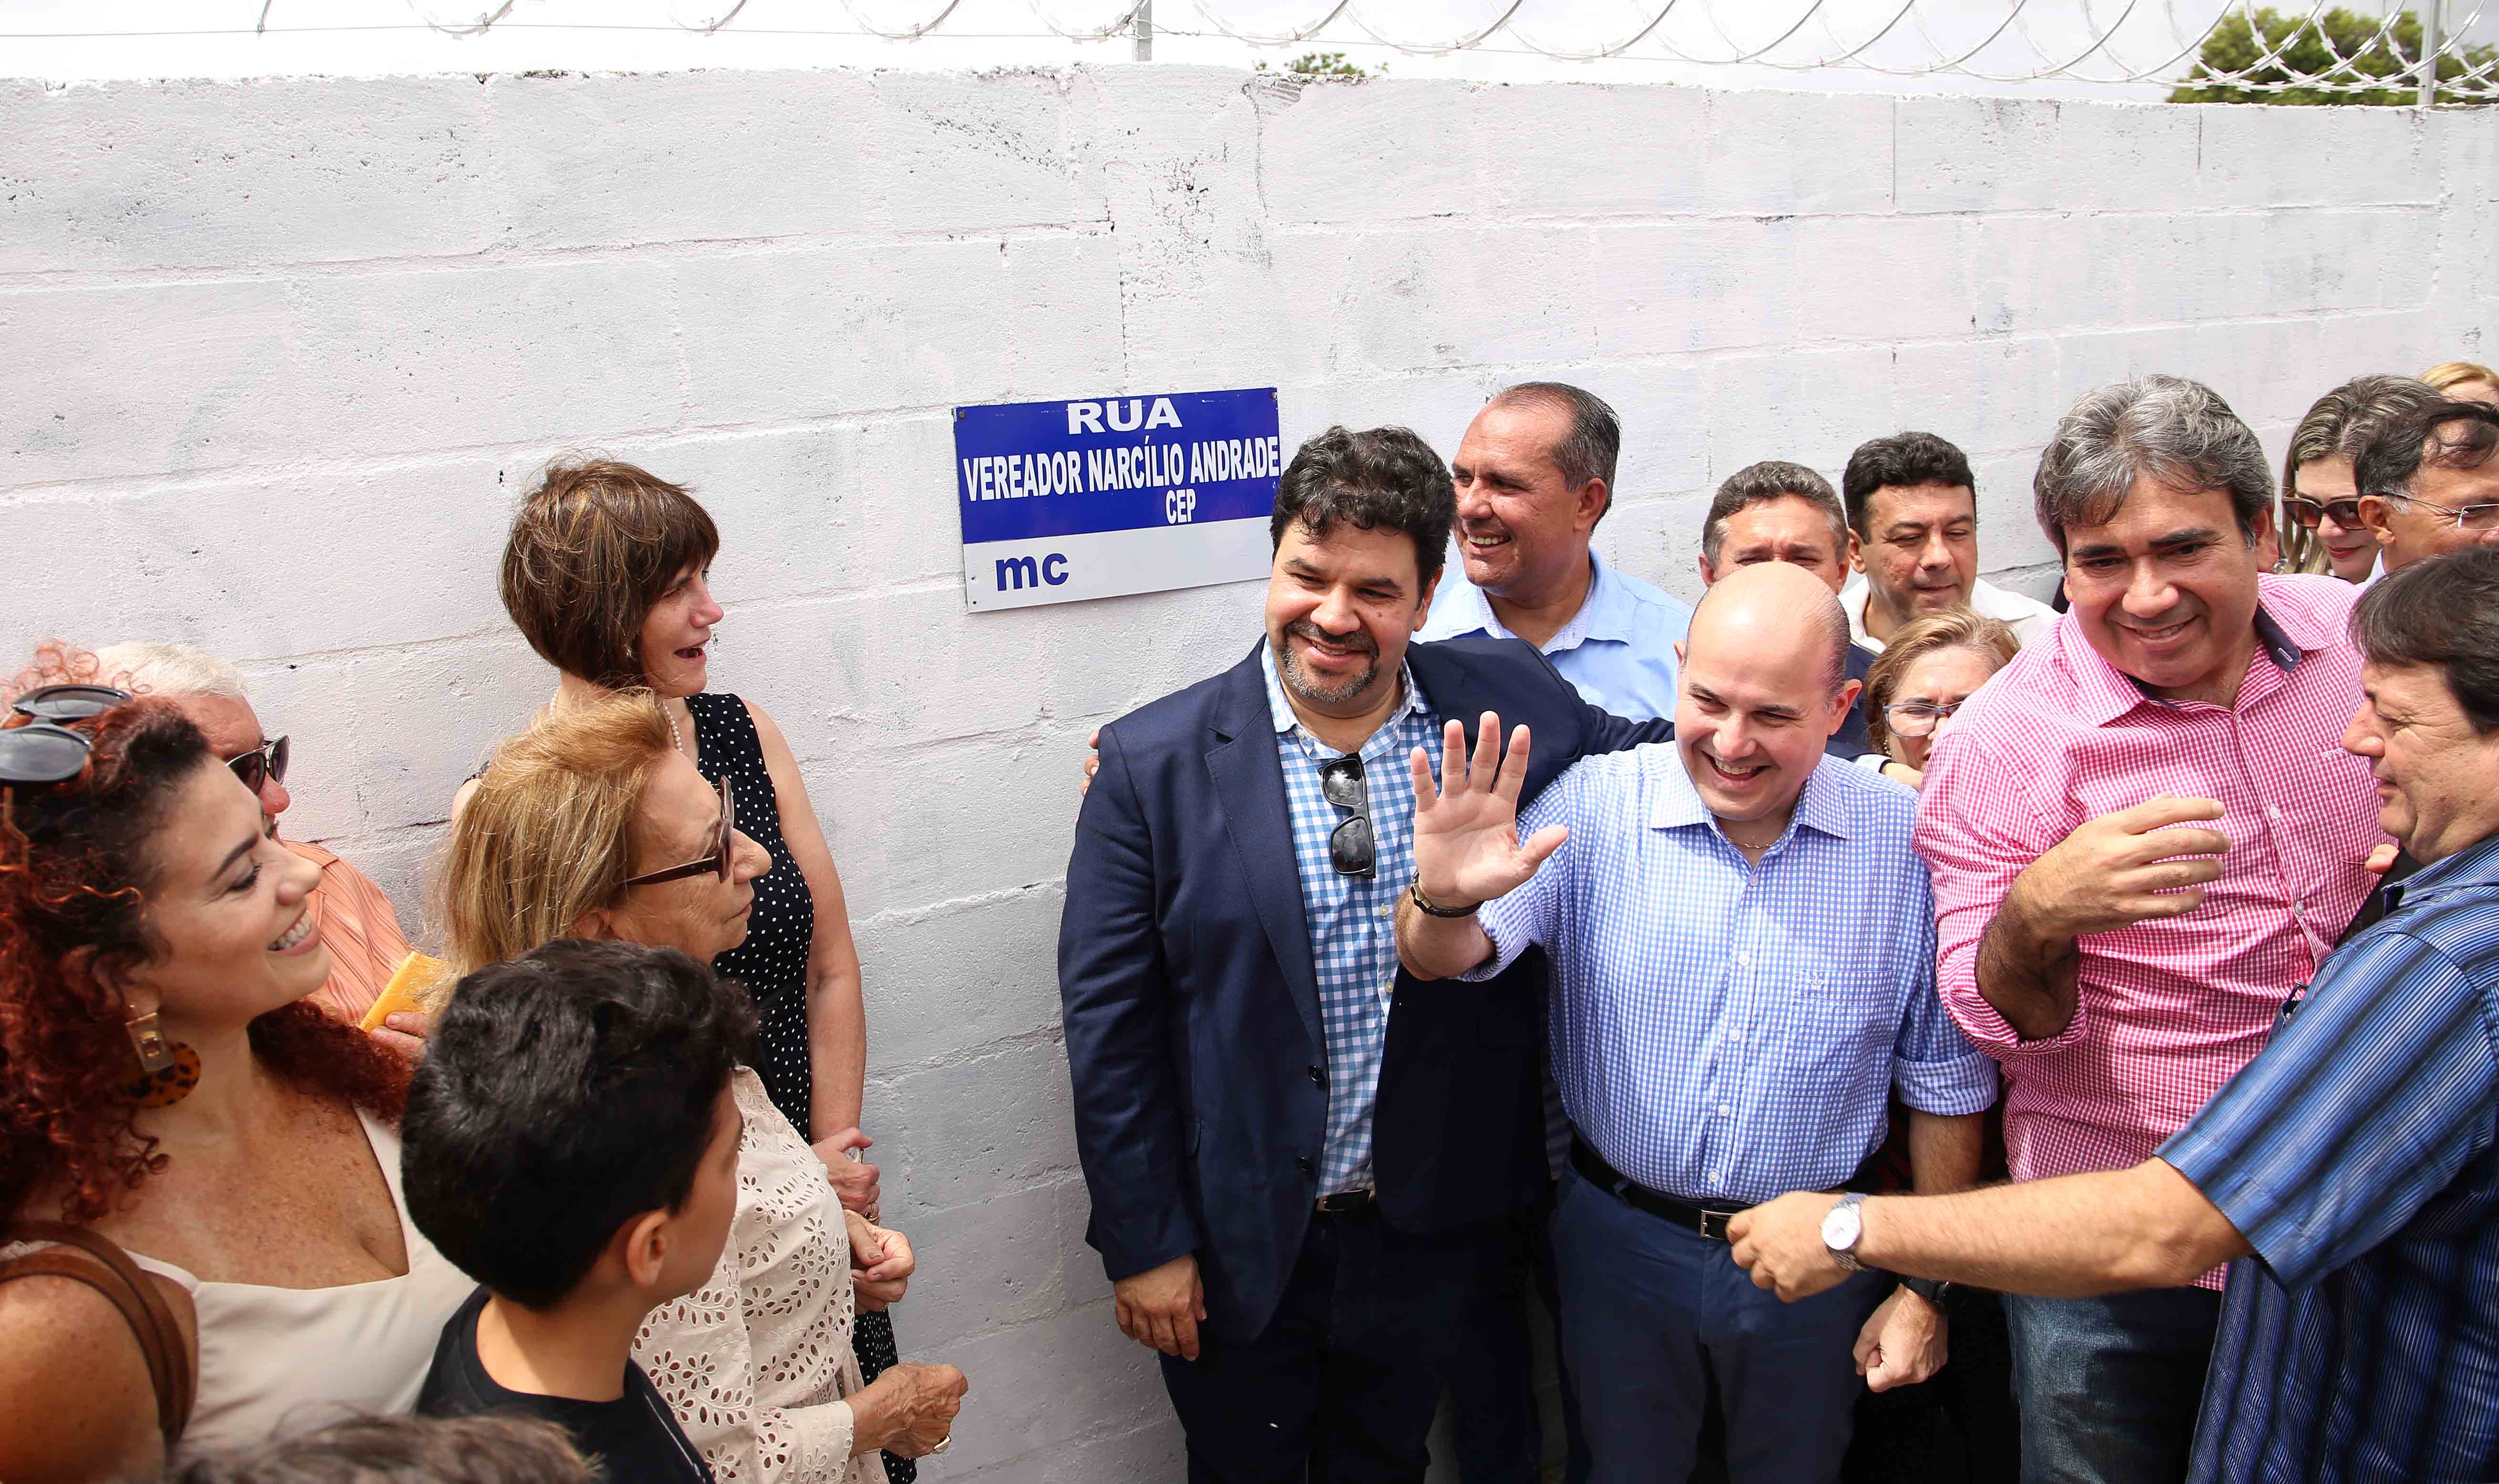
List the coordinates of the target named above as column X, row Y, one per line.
column 2351, row 1169
column 1743, row 949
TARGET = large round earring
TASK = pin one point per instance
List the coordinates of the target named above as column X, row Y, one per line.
column 168, row 1070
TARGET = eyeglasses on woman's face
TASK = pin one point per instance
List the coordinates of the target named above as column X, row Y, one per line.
column 263, row 764
column 2308, row 513
column 1918, row 719
column 718, row 861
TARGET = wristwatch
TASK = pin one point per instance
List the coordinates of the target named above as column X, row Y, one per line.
column 1933, row 1290
column 1842, row 1228
column 1431, row 908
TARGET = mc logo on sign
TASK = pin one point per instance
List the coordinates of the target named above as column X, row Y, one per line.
column 1016, row 573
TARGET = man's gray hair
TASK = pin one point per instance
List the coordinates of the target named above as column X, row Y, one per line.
column 1595, row 441
column 161, row 667
column 2179, row 433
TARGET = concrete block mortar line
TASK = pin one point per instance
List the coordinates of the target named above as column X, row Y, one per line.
column 673, row 250
column 884, row 1078
column 526, row 456
column 1406, row 226
column 1058, row 1178
column 536, row 452
column 1033, row 1467
column 913, row 917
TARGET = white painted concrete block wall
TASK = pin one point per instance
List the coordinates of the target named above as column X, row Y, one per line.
column 277, row 356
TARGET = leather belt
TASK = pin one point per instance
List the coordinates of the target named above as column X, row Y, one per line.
column 1347, row 1201
column 1710, row 1221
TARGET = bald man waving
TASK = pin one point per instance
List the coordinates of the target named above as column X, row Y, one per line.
column 1743, row 945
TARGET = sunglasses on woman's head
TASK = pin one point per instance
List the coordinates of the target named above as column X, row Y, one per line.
column 261, row 764
column 44, row 751
column 719, row 858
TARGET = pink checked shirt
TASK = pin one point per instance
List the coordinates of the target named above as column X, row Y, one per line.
column 2168, row 1010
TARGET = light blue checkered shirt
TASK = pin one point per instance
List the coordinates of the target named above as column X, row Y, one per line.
column 1352, row 920
column 1724, row 1031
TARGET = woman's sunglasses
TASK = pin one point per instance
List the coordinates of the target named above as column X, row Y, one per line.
column 263, row 764
column 719, row 858
column 44, row 751
column 2306, row 513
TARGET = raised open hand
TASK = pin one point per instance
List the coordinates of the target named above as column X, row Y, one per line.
column 1467, row 848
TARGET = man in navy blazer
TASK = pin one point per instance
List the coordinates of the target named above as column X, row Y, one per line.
column 1305, row 1166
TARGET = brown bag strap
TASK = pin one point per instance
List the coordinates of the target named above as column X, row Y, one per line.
column 111, row 1273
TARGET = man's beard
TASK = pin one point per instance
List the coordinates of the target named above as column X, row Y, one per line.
column 1310, row 687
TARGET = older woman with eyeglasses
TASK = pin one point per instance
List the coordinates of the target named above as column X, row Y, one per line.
column 353, row 917
column 1931, row 666
column 591, row 823
column 2321, row 530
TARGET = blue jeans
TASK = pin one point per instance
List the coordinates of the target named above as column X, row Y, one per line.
column 1650, row 1312
column 2110, row 1386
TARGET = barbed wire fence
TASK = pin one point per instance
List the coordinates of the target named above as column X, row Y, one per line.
column 2371, row 51
column 2218, row 51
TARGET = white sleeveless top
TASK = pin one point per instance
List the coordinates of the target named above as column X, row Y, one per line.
column 275, row 1362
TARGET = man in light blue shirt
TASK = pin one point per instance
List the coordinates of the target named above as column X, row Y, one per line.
column 1534, row 473
column 1743, row 945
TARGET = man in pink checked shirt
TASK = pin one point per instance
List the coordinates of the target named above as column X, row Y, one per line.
column 2144, row 840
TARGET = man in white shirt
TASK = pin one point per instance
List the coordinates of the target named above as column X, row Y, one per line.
column 1914, row 508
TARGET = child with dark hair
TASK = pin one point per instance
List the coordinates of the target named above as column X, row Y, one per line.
column 571, row 1144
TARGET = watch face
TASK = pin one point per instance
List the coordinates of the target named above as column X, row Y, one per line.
column 1840, row 1228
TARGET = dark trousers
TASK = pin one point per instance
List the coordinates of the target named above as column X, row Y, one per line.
column 1651, row 1313
column 2110, row 1386
column 1959, row 1428
column 1493, row 1421
column 1341, row 1386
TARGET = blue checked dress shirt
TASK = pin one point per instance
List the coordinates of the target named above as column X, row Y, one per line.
column 1724, row 1031
column 2359, row 1154
column 1352, row 920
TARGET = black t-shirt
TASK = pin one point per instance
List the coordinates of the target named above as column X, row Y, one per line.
column 628, row 1440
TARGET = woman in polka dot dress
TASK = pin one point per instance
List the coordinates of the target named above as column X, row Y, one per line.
column 606, row 573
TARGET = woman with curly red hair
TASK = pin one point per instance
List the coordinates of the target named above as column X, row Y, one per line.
column 165, row 1085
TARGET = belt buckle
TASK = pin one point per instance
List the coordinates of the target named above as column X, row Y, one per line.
column 1713, row 1224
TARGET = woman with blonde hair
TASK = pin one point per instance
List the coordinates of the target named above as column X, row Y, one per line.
column 2321, row 531
column 1925, row 673
column 608, row 573
column 591, row 823
column 2463, row 380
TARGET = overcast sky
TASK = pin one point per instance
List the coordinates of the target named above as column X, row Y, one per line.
column 57, row 40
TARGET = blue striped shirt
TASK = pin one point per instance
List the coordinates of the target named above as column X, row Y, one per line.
column 1729, row 1031
column 2359, row 1155
column 1352, row 920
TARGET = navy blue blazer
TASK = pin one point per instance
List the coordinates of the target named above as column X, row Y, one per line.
column 1192, row 1003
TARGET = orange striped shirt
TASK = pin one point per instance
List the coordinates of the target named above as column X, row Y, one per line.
column 361, row 929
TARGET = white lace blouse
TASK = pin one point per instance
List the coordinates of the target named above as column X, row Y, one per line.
column 755, row 1363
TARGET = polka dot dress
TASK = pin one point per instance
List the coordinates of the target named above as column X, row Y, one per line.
column 772, row 961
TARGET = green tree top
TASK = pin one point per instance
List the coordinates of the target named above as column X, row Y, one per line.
column 1327, row 64
column 2366, row 49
